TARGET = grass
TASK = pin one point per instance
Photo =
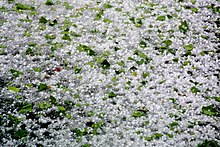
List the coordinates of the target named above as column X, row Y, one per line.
column 92, row 71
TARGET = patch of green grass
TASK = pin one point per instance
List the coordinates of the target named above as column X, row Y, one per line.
column 43, row 20
column 37, row 69
column 26, row 108
column 11, row 1
column 167, row 42
column 49, row 3
column 173, row 125
column 217, row 98
column 99, row 15
column 106, row 20
column 112, row 94
column 194, row 90
column 53, row 100
column 175, row 59
column 20, row 6
column 154, row 136
column 161, row 18
column 52, row 23
column 173, row 100
column 20, row 133
column 50, row 36
column 105, row 64
column 86, row 145
column 208, row 143
column 136, row 21
column 139, row 113
column 16, row 73
column 210, row 110
column 13, row 88
column 42, row 87
column 183, row 27
column 67, row 6
column 66, row 37
column 87, row 49
column 61, row 109
column 43, row 105
column 107, row 6
column 189, row 47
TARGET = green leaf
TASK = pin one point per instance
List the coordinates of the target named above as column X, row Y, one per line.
column 117, row 48
column 78, row 132
column 20, row 6
column 42, row 20
column 62, row 109
column 107, row 6
column 98, row 16
column 185, row 63
column 65, row 4
column 87, row 49
column 86, row 145
column 183, row 27
column 66, row 37
column 169, row 16
column 140, row 62
column 161, row 18
column 143, row 44
column 209, row 143
column 210, row 110
column 194, row 90
column 37, row 69
column 149, row 138
column 217, row 98
column 175, row 59
column 146, row 74
column 16, row 73
column 21, row 133
column 53, row 100
column 189, row 47
column 193, row 1
column 106, row 20
column 195, row 10
column 50, row 36
column 140, row 54
column 12, row 88
column 29, row 51
column 173, row 125
column 14, row 119
column 136, row 21
column 26, row 108
column 2, row 46
column 42, row 87
column 49, row 3
column 10, row 1
column 52, row 23
column 154, row 136
column 170, row 135
column 112, row 94
column 77, row 70
column 139, row 113
column 91, row 52
column 68, row 116
column 105, row 64
column 157, row 135
column 167, row 42
column 44, row 105
column 173, row 100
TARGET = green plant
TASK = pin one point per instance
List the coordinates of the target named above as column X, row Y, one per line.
column 210, row 110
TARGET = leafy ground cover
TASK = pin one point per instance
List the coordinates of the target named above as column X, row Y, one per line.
column 109, row 73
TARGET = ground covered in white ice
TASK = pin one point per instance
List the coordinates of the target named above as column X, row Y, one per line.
column 113, row 73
